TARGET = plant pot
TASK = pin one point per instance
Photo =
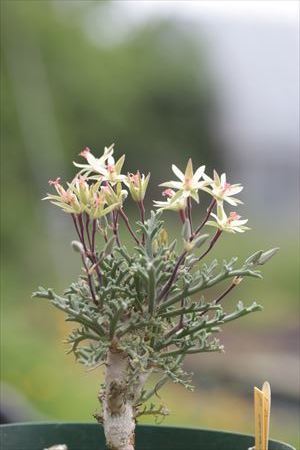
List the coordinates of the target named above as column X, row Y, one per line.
column 88, row 436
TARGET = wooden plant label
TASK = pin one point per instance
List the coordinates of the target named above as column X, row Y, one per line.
column 262, row 406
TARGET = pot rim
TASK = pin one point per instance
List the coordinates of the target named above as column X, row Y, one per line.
column 42, row 423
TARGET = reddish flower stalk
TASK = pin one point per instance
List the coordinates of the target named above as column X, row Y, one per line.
column 125, row 218
column 169, row 283
column 142, row 211
column 212, row 243
column 90, row 254
column 189, row 212
column 221, row 296
column 115, row 224
column 87, row 228
column 94, row 227
column 182, row 215
column 81, row 227
column 209, row 210
column 76, row 227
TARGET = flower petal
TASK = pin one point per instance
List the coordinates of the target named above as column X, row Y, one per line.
column 199, row 172
column 189, row 170
column 172, row 184
column 178, row 172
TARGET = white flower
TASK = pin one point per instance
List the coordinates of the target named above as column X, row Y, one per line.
column 189, row 183
column 174, row 202
column 94, row 164
column 112, row 171
column 231, row 224
column 137, row 184
column 221, row 190
column 105, row 167
column 65, row 199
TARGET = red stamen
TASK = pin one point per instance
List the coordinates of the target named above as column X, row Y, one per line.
column 168, row 193
column 233, row 216
column 84, row 152
column 54, row 182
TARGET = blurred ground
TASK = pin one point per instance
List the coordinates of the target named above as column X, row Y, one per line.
column 164, row 90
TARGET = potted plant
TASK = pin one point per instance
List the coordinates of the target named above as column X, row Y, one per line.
column 140, row 311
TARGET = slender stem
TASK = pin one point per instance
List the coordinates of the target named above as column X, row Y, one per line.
column 80, row 232
column 94, row 234
column 76, row 227
column 116, row 227
column 158, row 386
column 90, row 281
column 81, row 226
column 169, row 283
column 209, row 210
column 125, row 218
column 191, row 350
column 182, row 215
column 234, row 283
column 142, row 211
column 87, row 223
column 172, row 331
column 207, row 284
column 189, row 213
column 189, row 309
column 102, row 230
column 212, row 243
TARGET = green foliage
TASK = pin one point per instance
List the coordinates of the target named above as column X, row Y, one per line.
column 156, row 331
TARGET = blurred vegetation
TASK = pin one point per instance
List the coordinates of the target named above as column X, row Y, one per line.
column 151, row 94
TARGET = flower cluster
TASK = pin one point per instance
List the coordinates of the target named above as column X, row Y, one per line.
column 188, row 187
column 80, row 197
column 98, row 188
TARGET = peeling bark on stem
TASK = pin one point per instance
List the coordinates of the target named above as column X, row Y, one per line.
column 118, row 400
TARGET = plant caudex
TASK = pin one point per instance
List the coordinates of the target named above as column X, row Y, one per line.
column 141, row 312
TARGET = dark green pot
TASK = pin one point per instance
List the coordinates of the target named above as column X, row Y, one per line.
column 88, row 436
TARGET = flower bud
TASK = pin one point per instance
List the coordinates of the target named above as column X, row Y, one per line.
column 77, row 247
column 200, row 240
column 267, row 255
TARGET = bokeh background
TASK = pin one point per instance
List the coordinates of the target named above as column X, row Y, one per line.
column 164, row 80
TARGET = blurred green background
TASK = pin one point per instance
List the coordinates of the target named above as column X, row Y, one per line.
column 70, row 79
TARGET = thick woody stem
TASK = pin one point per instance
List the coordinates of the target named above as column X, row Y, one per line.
column 118, row 409
column 119, row 400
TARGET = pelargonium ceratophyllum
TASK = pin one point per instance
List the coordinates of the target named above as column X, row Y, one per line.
column 141, row 311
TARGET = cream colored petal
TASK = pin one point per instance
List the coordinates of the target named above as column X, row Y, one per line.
column 199, row 173
column 217, row 178
column 194, row 194
column 178, row 172
column 189, row 169
column 172, row 184
column 211, row 223
column 223, row 179
column 207, row 178
column 238, row 223
column 232, row 201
